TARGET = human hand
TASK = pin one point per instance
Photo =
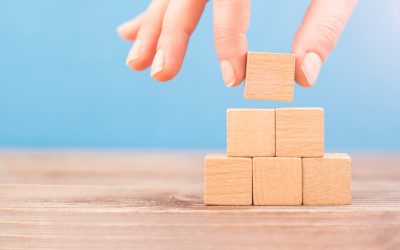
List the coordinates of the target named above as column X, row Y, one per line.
column 162, row 33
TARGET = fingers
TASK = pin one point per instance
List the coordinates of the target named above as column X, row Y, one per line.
column 180, row 20
column 231, row 20
column 129, row 29
column 144, row 48
column 317, row 36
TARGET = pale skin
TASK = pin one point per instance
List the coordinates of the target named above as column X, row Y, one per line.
column 161, row 35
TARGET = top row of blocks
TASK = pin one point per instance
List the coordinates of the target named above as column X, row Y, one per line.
column 283, row 132
column 269, row 76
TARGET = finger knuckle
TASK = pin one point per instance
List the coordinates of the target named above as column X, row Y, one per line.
column 224, row 37
column 329, row 30
column 168, row 29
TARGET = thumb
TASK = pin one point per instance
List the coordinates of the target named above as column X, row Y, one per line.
column 317, row 36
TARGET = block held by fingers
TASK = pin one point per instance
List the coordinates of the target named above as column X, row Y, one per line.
column 269, row 76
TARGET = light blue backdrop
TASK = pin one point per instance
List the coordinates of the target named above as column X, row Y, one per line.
column 63, row 82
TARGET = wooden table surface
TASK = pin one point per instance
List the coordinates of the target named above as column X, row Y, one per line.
column 128, row 200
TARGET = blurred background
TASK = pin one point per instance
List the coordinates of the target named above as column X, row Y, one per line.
column 64, row 83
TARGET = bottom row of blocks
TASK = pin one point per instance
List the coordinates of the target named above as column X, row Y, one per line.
column 277, row 180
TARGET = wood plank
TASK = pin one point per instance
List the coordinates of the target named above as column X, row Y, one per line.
column 125, row 200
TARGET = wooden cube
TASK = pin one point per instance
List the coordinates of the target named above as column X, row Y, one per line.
column 228, row 180
column 277, row 181
column 251, row 132
column 300, row 132
column 269, row 76
column 327, row 180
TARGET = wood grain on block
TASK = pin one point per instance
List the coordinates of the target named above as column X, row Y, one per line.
column 277, row 181
column 300, row 132
column 269, row 76
column 327, row 180
column 228, row 180
column 251, row 132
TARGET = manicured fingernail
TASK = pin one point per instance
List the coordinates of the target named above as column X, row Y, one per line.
column 158, row 63
column 134, row 53
column 311, row 67
column 228, row 73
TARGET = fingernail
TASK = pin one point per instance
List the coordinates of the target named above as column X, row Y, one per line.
column 158, row 63
column 228, row 73
column 134, row 53
column 311, row 67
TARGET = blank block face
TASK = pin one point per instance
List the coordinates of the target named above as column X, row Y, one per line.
column 269, row 76
column 251, row 132
column 300, row 132
column 277, row 181
column 327, row 180
column 228, row 180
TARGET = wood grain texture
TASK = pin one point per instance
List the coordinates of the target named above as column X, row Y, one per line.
column 277, row 181
column 300, row 132
column 228, row 180
column 154, row 200
column 251, row 132
column 269, row 76
column 327, row 180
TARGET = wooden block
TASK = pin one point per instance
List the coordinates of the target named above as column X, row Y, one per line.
column 277, row 181
column 327, row 180
column 251, row 132
column 269, row 76
column 228, row 180
column 300, row 132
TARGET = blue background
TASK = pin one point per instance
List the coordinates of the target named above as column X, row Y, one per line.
column 63, row 81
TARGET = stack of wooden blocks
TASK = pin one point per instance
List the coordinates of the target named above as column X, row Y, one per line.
column 275, row 156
